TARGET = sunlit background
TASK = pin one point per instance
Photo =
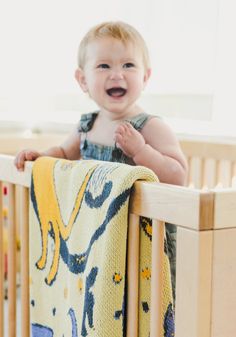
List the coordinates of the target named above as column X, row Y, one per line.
column 191, row 44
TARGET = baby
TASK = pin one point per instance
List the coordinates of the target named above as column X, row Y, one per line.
column 113, row 68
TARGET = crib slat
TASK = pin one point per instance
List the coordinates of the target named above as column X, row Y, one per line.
column 133, row 275
column 217, row 173
column 233, row 181
column 209, row 174
column 24, row 260
column 202, row 171
column 190, row 182
column 224, row 171
column 1, row 268
column 195, row 172
column 157, row 278
column 12, row 264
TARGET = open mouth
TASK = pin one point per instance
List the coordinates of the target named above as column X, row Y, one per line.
column 116, row 92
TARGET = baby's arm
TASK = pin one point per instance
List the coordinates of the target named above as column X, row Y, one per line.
column 70, row 149
column 155, row 147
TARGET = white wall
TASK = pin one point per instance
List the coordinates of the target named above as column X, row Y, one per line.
column 224, row 104
column 39, row 41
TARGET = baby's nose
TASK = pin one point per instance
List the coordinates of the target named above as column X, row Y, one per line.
column 117, row 74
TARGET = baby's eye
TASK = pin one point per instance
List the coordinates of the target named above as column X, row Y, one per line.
column 128, row 65
column 103, row 66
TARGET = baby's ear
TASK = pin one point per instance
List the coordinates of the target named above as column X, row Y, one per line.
column 80, row 77
column 147, row 74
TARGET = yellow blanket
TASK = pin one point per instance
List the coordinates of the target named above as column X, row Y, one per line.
column 78, row 234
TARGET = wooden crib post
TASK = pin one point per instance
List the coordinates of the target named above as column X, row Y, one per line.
column 133, row 275
column 158, row 229
column 223, row 283
column 193, row 283
column 12, row 264
column 24, row 226
column 1, row 267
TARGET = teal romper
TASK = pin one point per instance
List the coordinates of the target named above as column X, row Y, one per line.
column 89, row 150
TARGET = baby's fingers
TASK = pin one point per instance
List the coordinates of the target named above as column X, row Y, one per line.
column 118, row 139
column 24, row 156
column 29, row 155
column 120, row 129
column 20, row 161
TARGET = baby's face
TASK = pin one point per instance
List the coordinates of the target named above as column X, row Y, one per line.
column 114, row 74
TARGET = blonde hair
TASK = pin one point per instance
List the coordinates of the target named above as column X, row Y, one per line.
column 118, row 30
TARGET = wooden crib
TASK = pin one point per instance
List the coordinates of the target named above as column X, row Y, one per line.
column 205, row 216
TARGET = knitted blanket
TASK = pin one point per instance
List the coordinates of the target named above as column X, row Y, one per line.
column 78, row 240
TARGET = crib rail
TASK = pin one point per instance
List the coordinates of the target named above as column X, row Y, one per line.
column 210, row 164
column 206, row 222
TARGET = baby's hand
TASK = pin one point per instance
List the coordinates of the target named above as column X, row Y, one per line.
column 129, row 140
column 23, row 156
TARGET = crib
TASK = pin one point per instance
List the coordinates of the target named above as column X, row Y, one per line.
column 205, row 215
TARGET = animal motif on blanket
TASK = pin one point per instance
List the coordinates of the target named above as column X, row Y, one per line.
column 39, row 330
column 53, row 224
column 51, row 221
column 89, row 300
column 78, row 215
column 74, row 323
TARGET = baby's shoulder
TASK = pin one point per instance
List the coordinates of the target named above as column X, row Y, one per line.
column 154, row 122
column 157, row 128
column 140, row 120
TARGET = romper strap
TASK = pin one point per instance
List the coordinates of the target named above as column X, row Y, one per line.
column 87, row 121
column 140, row 120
